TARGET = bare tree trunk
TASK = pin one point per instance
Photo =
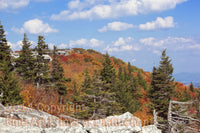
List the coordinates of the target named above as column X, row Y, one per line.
column 155, row 122
column 169, row 119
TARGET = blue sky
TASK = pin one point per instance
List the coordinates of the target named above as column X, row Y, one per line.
column 132, row 30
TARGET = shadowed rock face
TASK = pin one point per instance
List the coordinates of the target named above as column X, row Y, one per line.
column 20, row 119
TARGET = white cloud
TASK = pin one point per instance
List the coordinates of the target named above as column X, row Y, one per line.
column 157, row 52
column 79, row 5
column 18, row 45
column 159, row 5
column 62, row 46
column 51, row 45
column 121, row 41
column 159, row 23
column 195, row 46
column 74, row 4
column 133, row 60
column 15, row 46
column 156, row 45
column 14, row 5
column 122, row 44
column 170, row 41
column 9, row 5
column 113, row 8
column 151, row 41
column 35, row 26
column 116, row 26
column 84, row 42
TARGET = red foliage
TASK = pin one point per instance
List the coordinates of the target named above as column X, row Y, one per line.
column 63, row 58
column 135, row 74
column 192, row 94
column 174, row 98
column 87, row 56
column 144, row 97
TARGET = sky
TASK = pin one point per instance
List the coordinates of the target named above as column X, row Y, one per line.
column 135, row 31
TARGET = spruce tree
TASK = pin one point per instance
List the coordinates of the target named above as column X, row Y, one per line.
column 130, row 70
column 4, row 48
column 9, row 85
column 25, row 64
column 9, row 88
column 127, row 93
column 108, row 76
column 108, row 71
column 120, row 75
column 142, row 81
column 191, row 87
column 124, row 97
column 57, row 75
column 87, row 80
column 186, row 95
column 98, row 100
column 42, row 69
column 76, row 95
column 162, row 86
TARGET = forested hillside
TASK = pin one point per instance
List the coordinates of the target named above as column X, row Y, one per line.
column 99, row 85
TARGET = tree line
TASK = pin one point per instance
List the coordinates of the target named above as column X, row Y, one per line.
column 105, row 92
column 32, row 68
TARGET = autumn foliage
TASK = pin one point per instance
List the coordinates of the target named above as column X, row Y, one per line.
column 74, row 66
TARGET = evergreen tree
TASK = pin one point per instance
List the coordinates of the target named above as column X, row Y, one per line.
column 42, row 69
column 191, row 87
column 130, row 70
column 162, row 86
column 124, row 97
column 9, row 85
column 187, row 96
column 136, row 93
column 127, row 93
column 9, row 88
column 108, row 71
column 98, row 100
column 4, row 48
column 125, row 75
column 57, row 75
column 87, row 80
column 142, row 81
column 76, row 96
column 120, row 75
column 25, row 64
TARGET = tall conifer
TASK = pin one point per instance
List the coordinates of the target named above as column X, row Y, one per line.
column 57, row 75
column 9, row 88
column 4, row 48
column 42, row 69
column 9, row 85
column 25, row 64
column 108, row 70
column 162, row 86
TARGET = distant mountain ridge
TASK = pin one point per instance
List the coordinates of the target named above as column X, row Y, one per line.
column 187, row 78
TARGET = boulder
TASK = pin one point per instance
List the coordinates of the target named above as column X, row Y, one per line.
column 31, row 116
column 116, row 124
column 150, row 129
column 21, row 119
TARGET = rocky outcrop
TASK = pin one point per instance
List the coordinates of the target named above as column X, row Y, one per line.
column 150, row 129
column 20, row 119
column 117, row 124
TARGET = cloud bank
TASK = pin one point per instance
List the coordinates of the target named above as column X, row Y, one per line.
column 35, row 26
column 113, row 8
